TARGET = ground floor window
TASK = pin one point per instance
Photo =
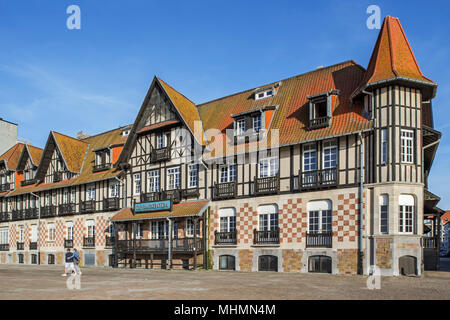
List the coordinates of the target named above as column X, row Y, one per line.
column 185, row 263
column 51, row 259
column 20, row 257
column 320, row 264
column 227, row 262
column 34, row 259
column 268, row 263
column 406, row 214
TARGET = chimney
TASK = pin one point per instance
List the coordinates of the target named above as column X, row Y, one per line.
column 81, row 135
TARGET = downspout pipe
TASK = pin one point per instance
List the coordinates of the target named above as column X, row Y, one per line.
column 360, row 206
column 169, row 258
column 38, row 227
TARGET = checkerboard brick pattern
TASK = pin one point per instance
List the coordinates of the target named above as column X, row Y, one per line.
column 59, row 233
column 246, row 222
column 78, row 232
column 12, row 237
column 291, row 221
column 345, row 218
column 101, row 225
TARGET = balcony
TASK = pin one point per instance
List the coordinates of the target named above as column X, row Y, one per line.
column 161, row 154
column 225, row 238
column 319, row 240
column 226, row 190
column 33, row 245
column 111, row 204
column 68, row 243
column 266, row 237
column 48, row 211
column 4, row 217
column 318, row 123
column 319, row 179
column 4, row 247
column 101, row 167
column 180, row 245
column 267, row 185
column 27, row 182
column 150, row 196
column 5, row 187
column 17, row 215
column 66, row 209
column 31, row 213
column 429, row 242
column 20, row 246
column 87, row 206
column 109, row 241
column 174, row 195
column 191, row 192
column 89, row 242
column 57, row 176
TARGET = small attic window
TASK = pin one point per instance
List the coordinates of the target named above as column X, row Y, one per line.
column 125, row 133
column 264, row 94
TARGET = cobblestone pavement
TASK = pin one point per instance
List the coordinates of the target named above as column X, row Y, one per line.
column 46, row 282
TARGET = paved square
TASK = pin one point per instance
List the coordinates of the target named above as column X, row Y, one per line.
column 46, row 282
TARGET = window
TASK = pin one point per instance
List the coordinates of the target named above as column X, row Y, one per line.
column 227, row 173
column 51, row 232
column 160, row 141
column 70, row 230
column 319, row 109
column 227, row 218
column 137, row 184
column 309, row 157
column 193, row 176
column 159, row 229
column 321, row 264
column 114, row 190
column 407, row 146
column 257, row 123
column 329, row 154
column 33, row 233
column 66, row 196
column 73, row 194
column 173, row 178
column 4, row 236
column 319, row 216
column 240, row 127
column 139, row 231
column 384, row 146
column 153, row 181
column 268, row 167
column 54, row 199
column 91, row 192
column 267, row 263
column 47, row 199
column 264, row 94
column 125, row 133
column 406, row 214
column 21, row 233
column 384, row 214
column 90, row 224
column 268, row 217
column 227, row 262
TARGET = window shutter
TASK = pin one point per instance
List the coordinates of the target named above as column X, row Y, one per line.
column 329, row 106
column 311, row 116
column 248, row 123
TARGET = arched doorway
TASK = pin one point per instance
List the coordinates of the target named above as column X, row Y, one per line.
column 407, row 266
column 320, row 264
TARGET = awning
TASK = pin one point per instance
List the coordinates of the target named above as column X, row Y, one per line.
column 185, row 209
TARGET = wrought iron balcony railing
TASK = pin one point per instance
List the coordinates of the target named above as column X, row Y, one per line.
column 27, row 182
column 89, row 241
column 87, row 206
column 33, row 245
column 5, row 187
column 4, row 217
column 17, row 215
column 319, row 179
column 4, row 247
column 160, row 245
column 31, row 213
column 57, row 176
column 111, row 204
column 321, row 122
column 48, row 211
column 266, row 236
column 267, row 185
column 319, row 239
column 161, row 154
column 226, row 190
column 225, row 238
column 20, row 245
column 66, row 209
column 101, row 167
column 68, row 243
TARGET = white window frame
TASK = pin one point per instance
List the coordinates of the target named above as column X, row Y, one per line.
column 173, row 178
column 227, row 220
column 384, row 146
column 384, row 210
column 69, row 230
column 51, row 232
column 193, row 175
column 90, row 228
column 153, row 181
column 227, row 173
column 240, row 127
column 161, row 141
column 137, row 185
column 257, row 120
column 324, row 211
column 309, row 150
column 268, row 167
column 271, row 212
column 406, row 214
column 90, row 192
column 329, row 146
column 4, row 235
column 264, row 94
column 407, row 145
column 21, row 234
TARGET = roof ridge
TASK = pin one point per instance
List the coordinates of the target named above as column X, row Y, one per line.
column 99, row 134
column 285, row 79
column 159, row 79
column 65, row 135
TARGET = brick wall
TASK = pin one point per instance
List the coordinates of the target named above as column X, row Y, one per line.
column 292, row 260
column 384, row 252
column 245, row 260
column 347, row 261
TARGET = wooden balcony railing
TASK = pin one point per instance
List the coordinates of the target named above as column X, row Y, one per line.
column 66, row 209
column 87, row 206
column 321, row 122
column 48, row 211
column 109, row 241
column 4, row 217
column 33, row 245
column 101, row 167
column 225, row 238
column 150, row 196
column 174, row 195
column 161, row 154
column 89, row 241
column 429, row 242
column 161, row 245
column 267, row 185
column 4, row 247
column 191, row 192
column 111, row 204
column 226, row 190
column 68, row 243
column 31, row 213
column 57, row 176
column 319, row 240
column 17, row 215
column 5, row 187
column 27, row 182
column 20, row 245
column 266, row 236
column 319, row 179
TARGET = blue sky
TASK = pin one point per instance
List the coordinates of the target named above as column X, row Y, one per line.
column 95, row 79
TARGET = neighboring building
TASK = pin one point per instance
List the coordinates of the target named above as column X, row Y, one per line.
column 8, row 134
column 276, row 178
column 445, row 232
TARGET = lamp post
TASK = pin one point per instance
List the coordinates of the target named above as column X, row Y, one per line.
column 39, row 227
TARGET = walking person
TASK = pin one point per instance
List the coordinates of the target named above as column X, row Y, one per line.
column 68, row 267
column 76, row 260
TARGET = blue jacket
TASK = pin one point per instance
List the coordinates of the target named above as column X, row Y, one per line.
column 69, row 257
column 76, row 257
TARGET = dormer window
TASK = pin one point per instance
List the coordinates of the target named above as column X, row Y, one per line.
column 125, row 133
column 320, row 109
column 264, row 94
column 102, row 160
column 257, row 125
column 240, row 127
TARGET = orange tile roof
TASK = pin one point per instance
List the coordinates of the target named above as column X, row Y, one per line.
column 187, row 110
column 392, row 56
column 158, row 125
column 178, row 210
column 35, row 154
column 72, row 150
column 445, row 217
column 291, row 119
column 12, row 155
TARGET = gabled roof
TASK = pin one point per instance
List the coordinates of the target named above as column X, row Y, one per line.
column 12, row 155
column 72, row 151
column 291, row 118
column 445, row 217
column 35, row 154
column 392, row 57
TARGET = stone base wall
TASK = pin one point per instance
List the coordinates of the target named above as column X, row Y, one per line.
column 383, row 253
column 348, row 261
column 245, row 260
column 292, row 260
